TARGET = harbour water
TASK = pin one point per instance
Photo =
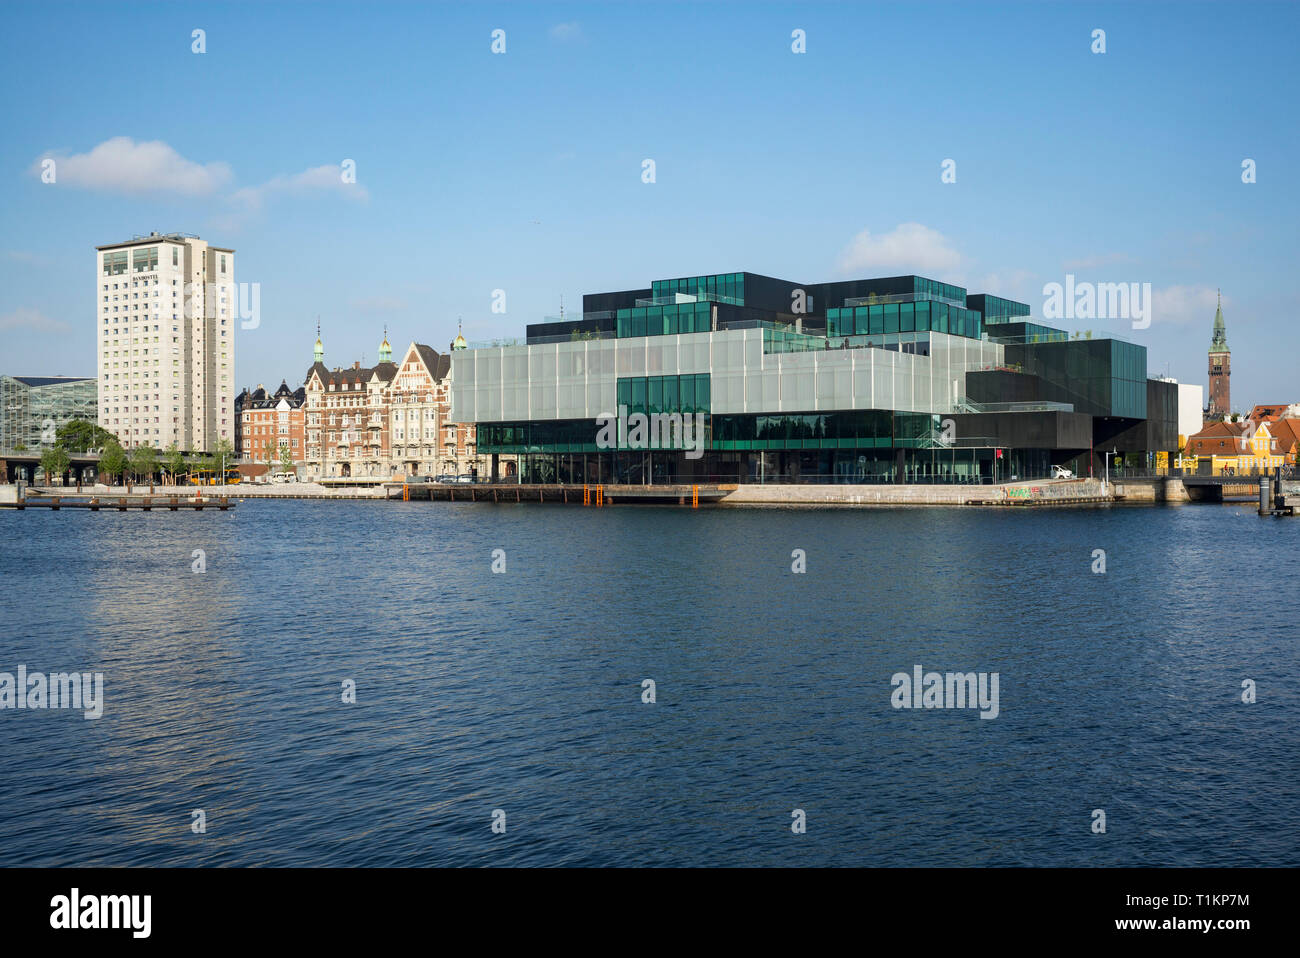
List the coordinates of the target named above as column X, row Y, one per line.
column 522, row 690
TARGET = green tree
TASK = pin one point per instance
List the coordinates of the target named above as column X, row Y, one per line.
column 80, row 435
column 143, row 462
column 286, row 459
column 175, row 461
column 54, row 462
column 223, row 457
column 112, row 461
column 269, row 452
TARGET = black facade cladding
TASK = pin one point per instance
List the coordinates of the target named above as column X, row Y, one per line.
column 830, row 295
column 775, row 295
column 1069, row 432
column 608, row 302
column 602, row 328
column 1159, row 431
column 1004, row 385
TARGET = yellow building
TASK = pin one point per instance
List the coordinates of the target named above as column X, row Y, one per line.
column 1239, row 448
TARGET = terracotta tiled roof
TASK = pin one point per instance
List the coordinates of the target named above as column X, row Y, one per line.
column 1267, row 413
column 1287, row 433
column 1218, row 430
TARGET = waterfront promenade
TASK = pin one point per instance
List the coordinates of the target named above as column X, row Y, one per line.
column 1039, row 492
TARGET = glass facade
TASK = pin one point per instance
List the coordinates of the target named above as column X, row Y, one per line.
column 996, row 310
column 1100, row 377
column 33, row 408
column 860, row 429
column 664, row 320
column 515, row 438
column 665, row 394
column 1128, row 380
column 937, row 290
column 721, row 287
column 144, row 259
column 861, row 399
column 115, row 262
column 923, row 316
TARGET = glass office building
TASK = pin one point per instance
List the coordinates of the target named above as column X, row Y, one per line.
column 895, row 379
column 32, row 408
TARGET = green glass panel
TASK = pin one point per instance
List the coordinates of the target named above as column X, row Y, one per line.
column 686, row 393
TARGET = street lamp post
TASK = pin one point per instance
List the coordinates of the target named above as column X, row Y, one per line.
column 1113, row 452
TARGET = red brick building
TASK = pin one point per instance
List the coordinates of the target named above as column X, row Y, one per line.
column 270, row 423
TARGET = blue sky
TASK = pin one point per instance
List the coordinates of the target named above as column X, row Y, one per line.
column 522, row 171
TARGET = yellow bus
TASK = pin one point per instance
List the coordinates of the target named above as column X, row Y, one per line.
column 212, row 477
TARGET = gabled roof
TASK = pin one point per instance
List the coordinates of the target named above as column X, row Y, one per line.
column 351, row 374
column 438, row 364
column 1287, row 433
column 1233, row 438
column 1218, row 430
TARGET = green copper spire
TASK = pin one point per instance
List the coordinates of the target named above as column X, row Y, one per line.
column 1220, row 342
column 385, row 350
column 320, row 349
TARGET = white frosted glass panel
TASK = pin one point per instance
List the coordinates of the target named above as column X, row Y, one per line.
column 863, row 378
column 541, row 363
column 631, row 359
column 600, row 399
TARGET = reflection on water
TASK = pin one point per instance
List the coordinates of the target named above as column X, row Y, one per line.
column 522, row 690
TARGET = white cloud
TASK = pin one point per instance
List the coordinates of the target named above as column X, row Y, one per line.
column 328, row 178
column 1017, row 284
column 121, row 165
column 911, row 247
column 25, row 318
column 1184, row 305
column 566, row 31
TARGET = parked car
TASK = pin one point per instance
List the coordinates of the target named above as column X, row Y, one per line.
column 444, row 478
column 420, row 479
column 463, row 478
column 1060, row 472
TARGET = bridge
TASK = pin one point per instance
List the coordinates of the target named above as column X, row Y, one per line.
column 1189, row 488
column 16, row 464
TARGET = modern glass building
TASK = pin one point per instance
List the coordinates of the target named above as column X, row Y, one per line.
column 32, row 408
column 896, row 379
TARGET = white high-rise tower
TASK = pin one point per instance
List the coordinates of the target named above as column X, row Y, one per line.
column 165, row 314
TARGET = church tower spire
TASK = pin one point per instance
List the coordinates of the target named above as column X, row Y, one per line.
column 1220, row 368
column 1220, row 340
column 385, row 350
column 320, row 349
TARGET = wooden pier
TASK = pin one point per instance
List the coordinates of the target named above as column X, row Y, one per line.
column 597, row 495
column 122, row 503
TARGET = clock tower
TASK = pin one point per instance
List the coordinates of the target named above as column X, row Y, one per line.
column 1220, row 369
